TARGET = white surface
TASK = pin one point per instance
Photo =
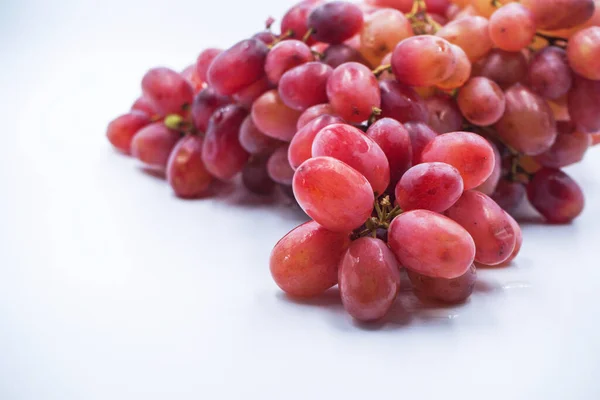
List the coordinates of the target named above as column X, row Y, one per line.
column 110, row 288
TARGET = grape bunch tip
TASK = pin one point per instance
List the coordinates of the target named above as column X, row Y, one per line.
column 408, row 131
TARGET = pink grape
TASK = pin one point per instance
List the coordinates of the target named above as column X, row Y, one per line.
column 528, row 124
column 509, row 195
column 338, row 54
column 267, row 37
column 353, row 91
column 469, row 153
column 246, row 58
column 560, row 14
column 450, row 291
column 549, row 74
column 437, row 6
column 279, row 167
column 401, row 102
column 401, row 5
column 444, row 114
column 144, row 105
column 153, row 144
column 430, row 186
column 431, row 244
column 334, row 22
column 301, row 145
column 273, row 117
column 253, row 140
column 186, row 171
column 469, row 33
column 394, row 140
column 314, row 112
column 296, row 20
column 369, row 279
column 512, row 27
column 203, row 62
column 481, row 101
column 568, row 149
column 583, row 102
column 222, row 153
column 423, row 60
column 189, row 74
column 305, row 85
column 382, row 31
column 332, row 193
column 255, row 176
column 285, row 56
column 584, row 52
column 167, row 90
column 519, row 238
column 489, row 186
column 420, row 136
column 487, row 224
column 247, row 96
column 204, row 106
column 121, row 130
column 304, row 263
column 555, row 195
column 503, row 67
column 359, row 151
column 461, row 73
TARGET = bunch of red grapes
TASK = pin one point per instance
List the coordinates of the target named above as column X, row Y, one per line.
column 409, row 131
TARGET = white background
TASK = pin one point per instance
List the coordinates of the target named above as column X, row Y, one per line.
column 111, row 288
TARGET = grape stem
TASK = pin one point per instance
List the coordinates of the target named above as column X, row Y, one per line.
column 308, row 34
column 282, row 37
column 375, row 113
column 177, row 123
column 497, row 3
column 553, row 40
column 385, row 215
column 381, row 69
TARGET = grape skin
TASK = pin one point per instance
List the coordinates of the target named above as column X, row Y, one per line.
column 519, row 239
column 338, row 54
column 481, row 101
column 431, row 244
column 503, row 67
column 296, row 20
column 121, row 130
column 584, row 53
column 359, row 151
column 153, row 144
column 300, row 148
column 203, row 62
column 489, row 186
column 401, row 5
column 487, row 224
column 449, row 291
column 222, row 153
column 583, row 102
column 167, row 91
column 420, row 136
column 568, row 149
column 144, row 105
column 186, row 171
column 549, row 74
column 444, row 114
column 469, row 153
column 273, row 117
column 394, row 140
column 204, row 106
column 512, row 27
column 335, row 22
column 469, row 33
column 555, row 195
column 430, row 186
column 509, row 195
column 332, row 193
column 314, row 112
column 305, row 85
column 369, row 279
column 560, row 14
column 401, row 102
column 285, row 56
column 255, row 176
column 247, row 96
column 304, row 263
column 279, row 168
column 353, row 91
column 461, row 73
column 253, row 140
column 382, row 31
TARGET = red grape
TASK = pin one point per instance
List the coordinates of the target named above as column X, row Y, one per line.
column 144, row 105
column 584, row 53
column 401, row 102
column 512, row 27
column 487, row 224
column 402, row 5
column 369, row 279
column 273, row 117
column 359, row 151
column 255, row 176
column 301, row 145
column 583, row 102
column 296, row 20
column 481, row 101
column 246, row 58
column 519, row 238
column 334, row 22
column 431, row 244
column 167, row 90
column 430, row 186
column 509, row 195
column 444, row 114
column 560, row 14
column 489, row 186
column 528, row 124
column 555, row 195
column 279, row 168
column 305, row 85
column 420, row 136
column 203, row 62
column 503, row 67
column 338, row 54
column 153, row 144
column 394, row 140
column 189, row 74
column 285, row 56
column 305, row 262
column 247, row 96
column 353, row 92
column 121, row 130
column 469, row 33
column 204, row 106
column 253, row 140
column 549, row 74
column 314, row 112
column 469, row 153
column 223, row 155
column 382, row 31
column 461, row 73
column 568, row 149
column 267, row 37
column 451, row 291
column 334, row 194
column 186, row 171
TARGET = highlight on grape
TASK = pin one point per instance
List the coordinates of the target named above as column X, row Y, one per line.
column 408, row 131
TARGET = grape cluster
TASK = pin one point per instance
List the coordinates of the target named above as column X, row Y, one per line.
column 408, row 131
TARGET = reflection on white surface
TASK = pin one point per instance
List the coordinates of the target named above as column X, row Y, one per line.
column 110, row 288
